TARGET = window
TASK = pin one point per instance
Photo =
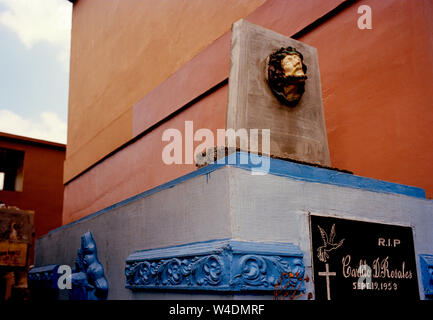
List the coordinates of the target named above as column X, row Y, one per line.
column 11, row 169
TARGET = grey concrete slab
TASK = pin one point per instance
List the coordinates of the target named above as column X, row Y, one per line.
column 296, row 132
column 229, row 203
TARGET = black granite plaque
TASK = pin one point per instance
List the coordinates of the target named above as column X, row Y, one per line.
column 356, row 259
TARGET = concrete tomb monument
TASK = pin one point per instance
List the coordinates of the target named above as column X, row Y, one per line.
column 301, row 231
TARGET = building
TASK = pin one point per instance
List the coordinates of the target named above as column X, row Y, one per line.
column 31, row 193
column 31, row 178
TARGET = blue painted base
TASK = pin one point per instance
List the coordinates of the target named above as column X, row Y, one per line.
column 219, row 265
column 426, row 265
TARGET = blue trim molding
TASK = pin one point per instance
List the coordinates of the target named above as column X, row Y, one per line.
column 44, row 277
column 218, row 265
column 283, row 168
column 311, row 173
column 426, row 266
column 42, row 283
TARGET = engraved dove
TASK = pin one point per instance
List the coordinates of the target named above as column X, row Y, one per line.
column 328, row 244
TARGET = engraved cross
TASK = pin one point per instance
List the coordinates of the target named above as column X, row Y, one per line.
column 327, row 274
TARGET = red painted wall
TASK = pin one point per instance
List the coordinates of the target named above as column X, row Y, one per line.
column 120, row 51
column 42, row 185
column 377, row 90
column 139, row 166
column 132, row 169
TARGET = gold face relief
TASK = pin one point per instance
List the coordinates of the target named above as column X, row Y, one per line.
column 292, row 65
column 286, row 74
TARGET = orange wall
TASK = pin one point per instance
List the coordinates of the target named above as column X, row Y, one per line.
column 378, row 91
column 139, row 166
column 84, row 195
column 376, row 109
column 42, row 183
column 122, row 49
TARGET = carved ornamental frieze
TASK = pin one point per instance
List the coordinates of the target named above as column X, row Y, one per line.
column 225, row 265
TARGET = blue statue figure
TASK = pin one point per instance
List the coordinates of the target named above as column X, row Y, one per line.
column 88, row 278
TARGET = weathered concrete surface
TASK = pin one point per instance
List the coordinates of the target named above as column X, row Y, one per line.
column 296, row 132
column 229, row 203
column 196, row 210
column 272, row 208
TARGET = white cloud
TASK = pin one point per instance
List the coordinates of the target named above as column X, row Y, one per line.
column 47, row 126
column 40, row 20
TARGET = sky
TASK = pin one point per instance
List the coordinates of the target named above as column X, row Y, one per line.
column 34, row 68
